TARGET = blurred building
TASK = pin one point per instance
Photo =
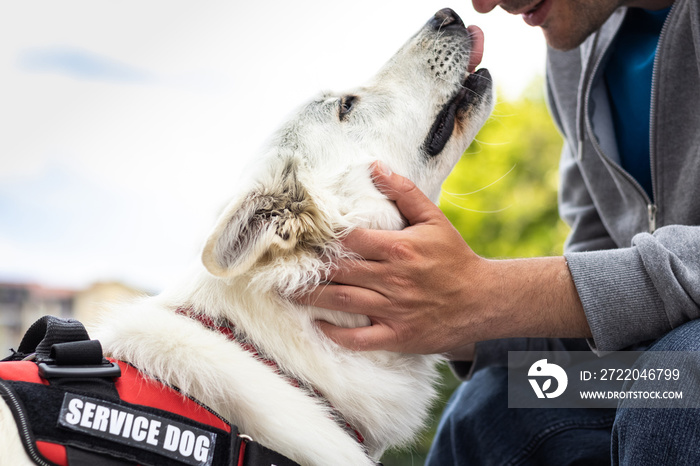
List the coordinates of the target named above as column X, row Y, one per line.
column 21, row 304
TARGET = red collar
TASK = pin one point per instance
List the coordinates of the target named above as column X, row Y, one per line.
column 228, row 330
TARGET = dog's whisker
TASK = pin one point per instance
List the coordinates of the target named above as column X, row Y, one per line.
column 482, row 188
column 476, row 147
column 477, row 211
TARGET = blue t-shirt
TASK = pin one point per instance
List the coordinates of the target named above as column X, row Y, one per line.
column 628, row 76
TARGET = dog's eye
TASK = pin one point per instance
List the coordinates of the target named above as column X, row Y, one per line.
column 346, row 104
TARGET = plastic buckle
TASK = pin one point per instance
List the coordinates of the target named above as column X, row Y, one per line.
column 52, row 371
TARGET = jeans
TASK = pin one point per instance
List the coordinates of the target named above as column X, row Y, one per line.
column 478, row 428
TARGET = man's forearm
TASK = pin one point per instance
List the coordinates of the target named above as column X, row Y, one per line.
column 533, row 298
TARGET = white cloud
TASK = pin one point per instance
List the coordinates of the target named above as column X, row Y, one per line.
column 79, row 63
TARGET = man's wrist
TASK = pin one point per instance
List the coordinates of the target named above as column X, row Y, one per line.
column 534, row 298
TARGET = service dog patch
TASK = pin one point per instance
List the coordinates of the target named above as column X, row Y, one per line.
column 110, row 421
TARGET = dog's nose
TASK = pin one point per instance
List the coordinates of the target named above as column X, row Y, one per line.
column 446, row 17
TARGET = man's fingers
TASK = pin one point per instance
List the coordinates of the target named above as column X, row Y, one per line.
column 355, row 272
column 371, row 245
column 345, row 298
column 360, row 338
column 415, row 206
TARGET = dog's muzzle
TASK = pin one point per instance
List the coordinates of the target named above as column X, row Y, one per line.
column 472, row 90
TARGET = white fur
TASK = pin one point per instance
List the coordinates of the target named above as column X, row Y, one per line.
column 312, row 185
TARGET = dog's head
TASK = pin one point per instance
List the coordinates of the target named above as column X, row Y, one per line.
column 417, row 115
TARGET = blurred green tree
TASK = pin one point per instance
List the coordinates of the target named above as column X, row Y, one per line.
column 502, row 197
column 502, row 194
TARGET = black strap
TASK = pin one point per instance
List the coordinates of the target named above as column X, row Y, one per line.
column 49, row 330
column 258, row 455
column 68, row 358
column 80, row 457
column 77, row 353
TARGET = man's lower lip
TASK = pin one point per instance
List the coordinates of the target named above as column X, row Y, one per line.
column 537, row 17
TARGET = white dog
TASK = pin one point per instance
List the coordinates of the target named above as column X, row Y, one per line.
column 279, row 235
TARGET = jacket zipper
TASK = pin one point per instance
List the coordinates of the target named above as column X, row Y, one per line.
column 651, row 213
column 652, row 207
column 23, row 425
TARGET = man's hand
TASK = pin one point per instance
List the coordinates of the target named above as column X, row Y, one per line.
column 426, row 291
column 411, row 282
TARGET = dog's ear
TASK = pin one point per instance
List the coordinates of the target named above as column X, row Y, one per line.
column 272, row 219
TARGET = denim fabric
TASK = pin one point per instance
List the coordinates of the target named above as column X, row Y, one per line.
column 662, row 436
column 478, row 428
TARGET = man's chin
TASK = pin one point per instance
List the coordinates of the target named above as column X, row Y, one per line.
column 572, row 26
column 563, row 41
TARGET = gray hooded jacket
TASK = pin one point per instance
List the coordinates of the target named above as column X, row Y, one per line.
column 635, row 261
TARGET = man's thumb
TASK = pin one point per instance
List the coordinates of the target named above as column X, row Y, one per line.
column 415, row 206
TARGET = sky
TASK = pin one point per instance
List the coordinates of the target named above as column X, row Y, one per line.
column 124, row 125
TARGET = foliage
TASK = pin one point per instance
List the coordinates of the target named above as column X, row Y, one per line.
column 502, row 197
